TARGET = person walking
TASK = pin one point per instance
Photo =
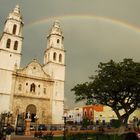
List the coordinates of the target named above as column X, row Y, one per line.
column 9, row 130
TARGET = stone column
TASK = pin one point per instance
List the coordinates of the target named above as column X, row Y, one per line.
column 27, row 127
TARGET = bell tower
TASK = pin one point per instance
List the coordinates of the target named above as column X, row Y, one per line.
column 54, row 65
column 10, row 56
column 54, row 56
column 11, row 41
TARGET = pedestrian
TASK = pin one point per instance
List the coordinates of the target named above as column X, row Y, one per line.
column 9, row 130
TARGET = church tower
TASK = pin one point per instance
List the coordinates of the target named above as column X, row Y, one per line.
column 54, row 65
column 10, row 55
column 11, row 41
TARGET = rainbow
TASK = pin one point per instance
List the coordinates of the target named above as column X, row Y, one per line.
column 99, row 18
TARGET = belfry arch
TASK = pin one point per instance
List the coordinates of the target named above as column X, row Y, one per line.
column 31, row 108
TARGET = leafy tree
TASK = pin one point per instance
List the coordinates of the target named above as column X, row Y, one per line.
column 86, row 122
column 116, row 85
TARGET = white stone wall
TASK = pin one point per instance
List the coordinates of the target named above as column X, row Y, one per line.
column 9, row 27
column 4, row 102
column 56, row 71
column 13, row 39
column 53, row 42
column 23, row 97
column 5, row 81
column 57, row 112
column 9, row 60
column 5, row 89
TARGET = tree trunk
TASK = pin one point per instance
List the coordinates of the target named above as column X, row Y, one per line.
column 122, row 118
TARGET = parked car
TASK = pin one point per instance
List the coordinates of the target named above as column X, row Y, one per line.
column 42, row 127
column 32, row 128
column 74, row 128
column 19, row 130
column 53, row 128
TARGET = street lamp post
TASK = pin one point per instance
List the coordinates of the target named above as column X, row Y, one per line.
column 36, row 130
column 65, row 122
column 64, row 138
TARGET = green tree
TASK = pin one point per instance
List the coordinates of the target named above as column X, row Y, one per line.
column 116, row 85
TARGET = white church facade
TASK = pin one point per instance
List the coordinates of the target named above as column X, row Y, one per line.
column 36, row 88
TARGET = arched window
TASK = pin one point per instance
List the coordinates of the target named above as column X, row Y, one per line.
column 16, row 45
column 19, row 87
column 85, row 113
column 14, row 29
column 54, row 56
column 32, row 87
column 60, row 57
column 8, row 43
column 58, row 40
column 44, row 90
column 90, row 112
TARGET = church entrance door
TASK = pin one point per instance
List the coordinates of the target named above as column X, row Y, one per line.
column 32, row 110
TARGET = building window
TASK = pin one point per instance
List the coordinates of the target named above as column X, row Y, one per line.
column 32, row 87
column 14, row 29
column 85, row 113
column 58, row 40
column 44, row 90
column 60, row 57
column 26, row 84
column 16, row 45
column 19, row 87
column 8, row 43
column 54, row 56
column 91, row 112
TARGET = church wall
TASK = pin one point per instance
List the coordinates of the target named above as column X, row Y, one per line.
column 57, row 108
column 42, row 88
column 5, row 81
column 20, row 104
column 58, row 102
column 58, row 90
column 9, row 60
column 9, row 27
column 5, row 90
column 57, row 71
column 23, row 96
column 53, row 41
column 13, row 39
column 3, row 102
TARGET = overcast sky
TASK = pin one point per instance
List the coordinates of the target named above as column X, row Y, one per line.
column 94, row 31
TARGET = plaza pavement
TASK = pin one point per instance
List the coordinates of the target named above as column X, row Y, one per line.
column 21, row 137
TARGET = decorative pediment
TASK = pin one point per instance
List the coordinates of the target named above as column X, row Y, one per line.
column 33, row 69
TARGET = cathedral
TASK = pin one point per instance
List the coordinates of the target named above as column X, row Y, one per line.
column 37, row 88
